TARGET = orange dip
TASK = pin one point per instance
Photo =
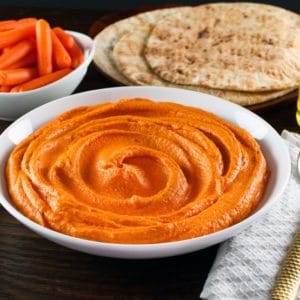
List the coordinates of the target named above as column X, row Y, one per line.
column 137, row 171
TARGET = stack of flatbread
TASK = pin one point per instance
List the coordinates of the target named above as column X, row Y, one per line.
column 245, row 52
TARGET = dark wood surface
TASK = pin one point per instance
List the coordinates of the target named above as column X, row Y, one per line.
column 34, row 268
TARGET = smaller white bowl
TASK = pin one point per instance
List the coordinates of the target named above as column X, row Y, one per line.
column 13, row 105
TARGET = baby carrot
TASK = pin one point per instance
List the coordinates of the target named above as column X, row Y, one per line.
column 5, row 89
column 41, row 81
column 71, row 46
column 13, row 24
column 24, row 21
column 76, row 56
column 65, row 38
column 44, row 47
column 5, row 49
column 15, row 53
column 7, row 25
column 15, row 89
column 17, row 76
column 27, row 61
column 10, row 37
column 61, row 57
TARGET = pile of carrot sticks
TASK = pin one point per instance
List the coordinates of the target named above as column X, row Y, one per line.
column 33, row 54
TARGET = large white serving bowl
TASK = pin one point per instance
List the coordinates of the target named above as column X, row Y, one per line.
column 13, row 105
column 271, row 143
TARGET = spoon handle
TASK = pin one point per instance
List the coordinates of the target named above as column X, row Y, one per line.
column 288, row 280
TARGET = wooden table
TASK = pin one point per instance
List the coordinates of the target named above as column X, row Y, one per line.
column 34, row 268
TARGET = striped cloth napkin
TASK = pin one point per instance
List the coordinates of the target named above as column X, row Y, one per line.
column 246, row 266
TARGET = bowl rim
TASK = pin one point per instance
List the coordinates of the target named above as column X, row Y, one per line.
column 211, row 238
column 88, row 57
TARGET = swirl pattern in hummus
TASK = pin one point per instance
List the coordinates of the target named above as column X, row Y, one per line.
column 137, row 171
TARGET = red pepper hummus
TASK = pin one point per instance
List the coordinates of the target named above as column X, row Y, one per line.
column 137, row 171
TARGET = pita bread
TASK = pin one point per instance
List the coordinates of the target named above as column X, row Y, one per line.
column 107, row 38
column 235, row 46
column 129, row 59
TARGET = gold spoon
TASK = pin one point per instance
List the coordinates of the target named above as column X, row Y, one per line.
column 288, row 280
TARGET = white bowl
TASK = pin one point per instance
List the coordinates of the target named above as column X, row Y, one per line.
column 272, row 145
column 13, row 105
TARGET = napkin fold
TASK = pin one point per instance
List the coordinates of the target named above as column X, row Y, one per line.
column 246, row 265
